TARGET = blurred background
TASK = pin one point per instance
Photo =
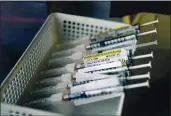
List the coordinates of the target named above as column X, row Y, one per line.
column 20, row 21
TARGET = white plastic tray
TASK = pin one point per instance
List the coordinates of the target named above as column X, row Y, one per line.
column 57, row 28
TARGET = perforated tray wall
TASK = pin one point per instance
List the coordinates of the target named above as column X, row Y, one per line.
column 57, row 27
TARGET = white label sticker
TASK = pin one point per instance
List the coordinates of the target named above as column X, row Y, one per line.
column 96, row 85
column 104, row 57
column 89, row 76
column 101, row 67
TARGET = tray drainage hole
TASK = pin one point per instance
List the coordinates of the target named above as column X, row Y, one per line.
column 65, row 21
column 73, row 23
column 17, row 112
column 24, row 114
column 10, row 111
column 5, row 100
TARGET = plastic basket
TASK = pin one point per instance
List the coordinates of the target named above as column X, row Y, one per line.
column 57, row 28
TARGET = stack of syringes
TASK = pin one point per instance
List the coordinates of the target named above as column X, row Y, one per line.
column 94, row 67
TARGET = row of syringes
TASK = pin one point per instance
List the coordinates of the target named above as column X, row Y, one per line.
column 90, row 78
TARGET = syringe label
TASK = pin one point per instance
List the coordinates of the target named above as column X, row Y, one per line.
column 119, row 32
column 111, row 40
column 105, row 57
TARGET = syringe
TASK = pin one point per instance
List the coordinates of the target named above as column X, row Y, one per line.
column 121, row 55
column 48, row 100
column 87, row 40
column 50, row 90
column 84, row 40
column 72, row 68
column 68, row 68
column 133, row 47
column 61, row 86
column 78, row 57
column 108, row 44
column 104, row 82
column 87, row 95
column 67, row 52
column 107, row 76
column 80, row 77
column 96, row 85
column 121, row 32
column 112, row 45
column 74, row 58
column 118, row 41
column 99, row 84
column 102, row 91
column 49, row 81
column 102, row 69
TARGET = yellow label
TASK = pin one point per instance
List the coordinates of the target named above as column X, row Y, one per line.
column 124, row 63
column 105, row 53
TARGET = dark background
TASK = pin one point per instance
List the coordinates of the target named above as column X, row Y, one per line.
column 16, row 34
column 134, row 7
column 156, row 100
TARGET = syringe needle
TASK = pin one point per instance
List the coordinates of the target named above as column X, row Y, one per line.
column 139, row 76
column 148, row 32
column 141, row 66
column 143, row 56
column 145, row 84
column 147, row 44
column 151, row 22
